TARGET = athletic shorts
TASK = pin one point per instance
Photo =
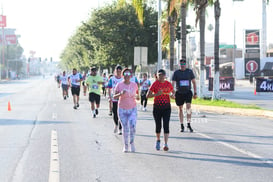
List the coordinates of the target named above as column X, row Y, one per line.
column 181, row 98
column 94, row 98
column 64, row 87
column 75, row 90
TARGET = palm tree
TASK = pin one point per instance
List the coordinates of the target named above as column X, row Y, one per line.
column 138, row 5
column 200, row 8
column 217, row 13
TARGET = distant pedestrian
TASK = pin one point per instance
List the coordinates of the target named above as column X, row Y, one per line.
column 183, row 78
column 84, row 76
column 64, row 83
column 105, row 81
column 109, row 98
column 114, row 80
column 94, row 81
column 127, row 93
column 145, row 83
column 161, row 90
column 75, row 83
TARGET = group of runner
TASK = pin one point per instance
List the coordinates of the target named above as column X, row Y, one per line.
column 123, row 94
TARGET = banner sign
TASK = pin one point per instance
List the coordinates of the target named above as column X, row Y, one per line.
column 264, row 85
column 252, row 38
column 226, row 84
column 3, row 22
column 9, row 39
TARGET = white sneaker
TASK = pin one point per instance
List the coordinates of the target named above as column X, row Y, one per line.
column 125, row 148
column 133, row 149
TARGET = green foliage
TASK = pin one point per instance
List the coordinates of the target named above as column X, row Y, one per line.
column 109, row 36
column 222, row 103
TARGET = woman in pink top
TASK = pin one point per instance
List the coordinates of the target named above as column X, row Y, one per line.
column 127, row 93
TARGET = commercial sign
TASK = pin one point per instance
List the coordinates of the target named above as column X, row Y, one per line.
column 252, row 65
column 226, row 84
column 9, row 39
column 3, row 22
column 252, row 38
column 264, row 85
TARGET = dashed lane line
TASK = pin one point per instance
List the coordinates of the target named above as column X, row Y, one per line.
column 54, row 171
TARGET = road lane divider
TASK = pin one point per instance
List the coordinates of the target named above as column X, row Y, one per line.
column 54, row 170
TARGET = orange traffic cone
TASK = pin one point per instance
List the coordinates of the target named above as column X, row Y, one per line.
column 9, row 107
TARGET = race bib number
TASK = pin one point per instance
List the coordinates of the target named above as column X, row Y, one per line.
column 95, row 87
column 184, row 83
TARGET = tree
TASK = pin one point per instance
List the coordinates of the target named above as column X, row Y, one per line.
column 109, row 36
column 217, row 14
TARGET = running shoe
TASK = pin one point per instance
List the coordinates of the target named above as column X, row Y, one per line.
column 125, row 148
column 189, row 127
column 182, row 128
column 78, row 105
column 94, row 115
column 133, row 149
column 64, row 97
column 97, row 112
column 119, row 132
column 157, row 145
column 165, row 147
column 110, row 114
column 75, row 107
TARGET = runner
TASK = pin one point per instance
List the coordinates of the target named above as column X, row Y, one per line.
column 93, row 81
column 109, row 99
column 183, row 78
column 105, row 80
column 83, row 83
column 64, row 82
column 144, row 86
column 161, row 90
column 75, row 83
column 114, row 80
column 127, row 93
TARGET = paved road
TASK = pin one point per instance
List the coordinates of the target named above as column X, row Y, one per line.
column 44, row 138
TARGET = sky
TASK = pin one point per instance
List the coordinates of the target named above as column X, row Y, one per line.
column 46, row 25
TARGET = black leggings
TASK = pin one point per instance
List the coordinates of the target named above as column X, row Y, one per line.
column 144, row 99
column 115, row 114
column 160, row 114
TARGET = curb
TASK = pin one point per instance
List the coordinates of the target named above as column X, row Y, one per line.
column 235, row 111
column 226, row 110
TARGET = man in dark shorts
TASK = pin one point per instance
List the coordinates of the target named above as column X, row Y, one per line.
column 75, row 82
column 183, row 78
column 94, row 81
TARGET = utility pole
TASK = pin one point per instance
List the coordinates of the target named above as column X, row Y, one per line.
column 159, row 64
column 264, row 32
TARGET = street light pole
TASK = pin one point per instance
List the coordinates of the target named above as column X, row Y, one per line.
column 159, row 64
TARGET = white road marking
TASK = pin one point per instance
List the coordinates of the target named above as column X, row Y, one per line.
column 270, row 162
column 54, row 171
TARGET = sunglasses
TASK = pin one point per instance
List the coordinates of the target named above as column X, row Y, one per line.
column 127, row 74
column 182, row 64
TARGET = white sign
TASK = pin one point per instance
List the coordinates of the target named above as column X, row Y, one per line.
column 141, row 56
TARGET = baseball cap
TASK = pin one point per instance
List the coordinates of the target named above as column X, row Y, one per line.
column 93, row 68
column 183, row 60
column 118, row 67
column 161, row 71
